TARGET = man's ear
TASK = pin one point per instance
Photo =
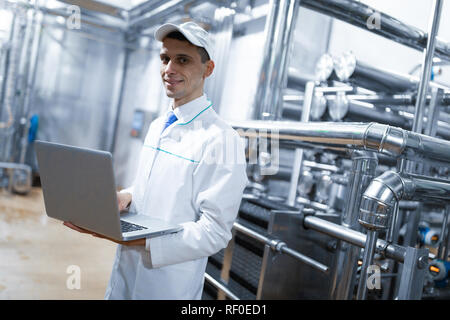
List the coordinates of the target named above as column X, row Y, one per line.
column 209, row 68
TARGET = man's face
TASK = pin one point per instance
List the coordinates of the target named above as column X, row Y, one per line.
column 182, row 71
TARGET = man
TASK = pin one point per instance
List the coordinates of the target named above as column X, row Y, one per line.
column 191, row 171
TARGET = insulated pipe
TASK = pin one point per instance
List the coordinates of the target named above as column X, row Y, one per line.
column 377, row 99
column 423, row 188
column 394, row 226
column 351, row 70
column 356, row 72
column 360, row 111
column 385, row 139
column 357, row 14
column 296, row 79
column 384, row 191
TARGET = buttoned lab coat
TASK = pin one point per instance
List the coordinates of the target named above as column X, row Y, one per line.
column 193, row 174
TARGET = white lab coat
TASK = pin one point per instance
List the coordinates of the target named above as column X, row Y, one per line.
column 193, row 174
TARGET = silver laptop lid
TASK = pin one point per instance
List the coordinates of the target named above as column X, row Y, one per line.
column 78, row 186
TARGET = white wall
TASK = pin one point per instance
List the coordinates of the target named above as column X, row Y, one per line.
column 240, row 85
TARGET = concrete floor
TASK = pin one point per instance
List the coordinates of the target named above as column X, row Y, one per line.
column 36, row 252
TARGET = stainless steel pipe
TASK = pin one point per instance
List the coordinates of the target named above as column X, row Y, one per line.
column 391, row 187
column 280, row 246
column 427, row 64
column 385, row 99
column 363, row 171
column 356, row 72
column 405, row 99
column 361, row 111
column 423, row 188
column 296, row 79
column 358, row 111
column 384, row 192
column 221, row 287
column 374, row 221
column 358, row 13
column 385, row 139
column 312, row 204
column 356, row 238
column 369, row 251
column 298, row 157
column 273, row 74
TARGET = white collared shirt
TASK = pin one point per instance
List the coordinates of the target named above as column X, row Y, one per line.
column 193, row 174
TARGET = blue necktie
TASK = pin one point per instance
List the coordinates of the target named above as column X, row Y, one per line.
column 171, row 118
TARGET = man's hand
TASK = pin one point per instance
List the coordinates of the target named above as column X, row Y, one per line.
column 138, row 242
column 123, row 200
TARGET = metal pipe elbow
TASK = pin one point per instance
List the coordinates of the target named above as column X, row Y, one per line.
column 385, row 139
column 379, row 199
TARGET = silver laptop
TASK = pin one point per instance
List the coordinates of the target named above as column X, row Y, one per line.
column 79, row 187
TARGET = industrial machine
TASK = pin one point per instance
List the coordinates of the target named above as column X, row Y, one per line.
column 356, row 209
column 348, row 162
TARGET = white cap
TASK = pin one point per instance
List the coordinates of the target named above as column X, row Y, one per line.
column 192, row 31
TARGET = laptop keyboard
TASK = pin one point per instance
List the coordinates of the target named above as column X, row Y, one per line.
column 129, row 227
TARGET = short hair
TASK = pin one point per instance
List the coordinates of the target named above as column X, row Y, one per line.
column 179, row 36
